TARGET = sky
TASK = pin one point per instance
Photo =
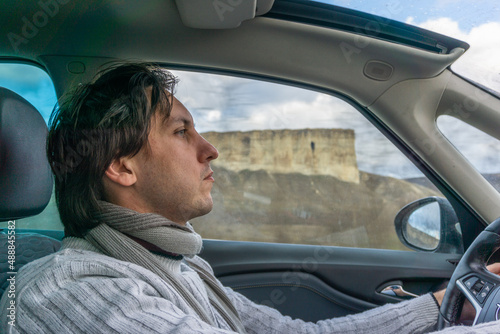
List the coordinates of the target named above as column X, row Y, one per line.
column 31, row 83
column 220, row 103
column 476, row 22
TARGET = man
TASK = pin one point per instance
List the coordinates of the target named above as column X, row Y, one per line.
column 131, row 171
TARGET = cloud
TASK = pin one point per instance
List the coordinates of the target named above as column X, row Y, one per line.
column 220, row 103
column 482, row 150
column 481, row 62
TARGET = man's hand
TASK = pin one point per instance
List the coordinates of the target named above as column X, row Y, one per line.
column 439, row 295
column 494, row 268
column 468, row 311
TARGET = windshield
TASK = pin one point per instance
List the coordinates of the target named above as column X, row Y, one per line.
column 475, row 22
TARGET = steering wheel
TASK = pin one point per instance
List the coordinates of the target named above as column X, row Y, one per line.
column 473, row 281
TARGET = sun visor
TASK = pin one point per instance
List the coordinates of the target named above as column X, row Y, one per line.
column 220, row 14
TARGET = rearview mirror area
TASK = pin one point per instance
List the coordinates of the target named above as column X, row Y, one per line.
column 431, row 225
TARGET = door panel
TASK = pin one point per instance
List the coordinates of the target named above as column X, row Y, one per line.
column 297, row 294
column 318, row 282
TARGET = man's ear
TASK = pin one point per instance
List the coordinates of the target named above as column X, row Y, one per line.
column 121, row 171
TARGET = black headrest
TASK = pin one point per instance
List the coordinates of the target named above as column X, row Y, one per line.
column 25, row 175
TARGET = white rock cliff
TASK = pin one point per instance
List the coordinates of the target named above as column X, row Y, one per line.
column 307, row 151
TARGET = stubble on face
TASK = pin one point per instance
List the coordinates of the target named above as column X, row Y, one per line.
column 175, row 178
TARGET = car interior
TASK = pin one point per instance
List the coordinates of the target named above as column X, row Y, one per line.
column 395, row 75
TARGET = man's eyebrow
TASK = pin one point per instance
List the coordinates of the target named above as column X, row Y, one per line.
column 181, row 119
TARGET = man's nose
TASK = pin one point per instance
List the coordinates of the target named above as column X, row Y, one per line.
column 207, row 151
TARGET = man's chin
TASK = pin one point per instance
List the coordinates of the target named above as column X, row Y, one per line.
column 197, row 209
column 205, row 208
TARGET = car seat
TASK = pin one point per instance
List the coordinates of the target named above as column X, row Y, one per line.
column 25, row 180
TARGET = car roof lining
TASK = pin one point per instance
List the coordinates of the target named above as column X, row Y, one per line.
column 202, row 14
column 328, row 58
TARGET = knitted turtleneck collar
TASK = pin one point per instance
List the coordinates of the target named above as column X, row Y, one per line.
column 151, row 228
column 113, row 235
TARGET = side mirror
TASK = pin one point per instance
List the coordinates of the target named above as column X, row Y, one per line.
column 430, row 224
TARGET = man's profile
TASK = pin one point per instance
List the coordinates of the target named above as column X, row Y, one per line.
column 130, row 172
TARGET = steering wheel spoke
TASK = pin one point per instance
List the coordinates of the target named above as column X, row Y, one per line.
column 480, row 291
column 473, row 281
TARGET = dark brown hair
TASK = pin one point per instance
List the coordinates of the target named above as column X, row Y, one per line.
column 96, row 123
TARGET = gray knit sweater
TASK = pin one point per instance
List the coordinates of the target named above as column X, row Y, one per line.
column 79, row 290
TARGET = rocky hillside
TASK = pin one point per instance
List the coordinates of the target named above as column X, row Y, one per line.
column 310, row 209
column 287, row 202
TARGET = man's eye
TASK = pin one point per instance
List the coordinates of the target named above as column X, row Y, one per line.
column 181, row 132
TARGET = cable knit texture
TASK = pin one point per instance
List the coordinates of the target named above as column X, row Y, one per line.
column 151, row 227
column 81, row 290
column 166, row 237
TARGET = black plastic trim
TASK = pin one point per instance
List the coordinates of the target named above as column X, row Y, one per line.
column 289, row 297
column 346, row 19
column 356, row 272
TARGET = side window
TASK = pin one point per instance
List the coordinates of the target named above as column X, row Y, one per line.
column 298, row 166
column 481, row 149
column 34, row 85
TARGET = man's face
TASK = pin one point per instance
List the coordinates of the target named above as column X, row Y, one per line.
column 174, row 177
